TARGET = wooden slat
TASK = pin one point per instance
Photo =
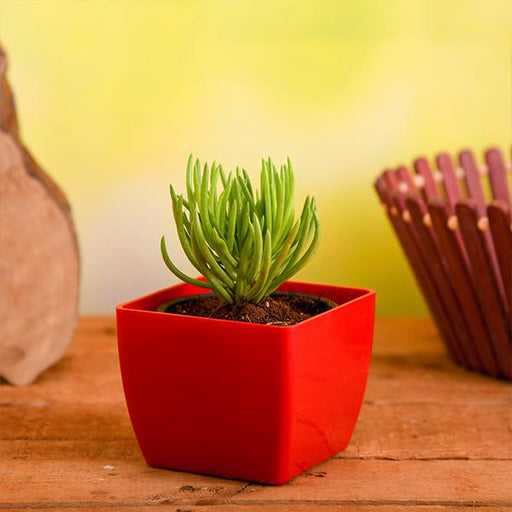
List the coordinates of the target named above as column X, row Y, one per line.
column 501, row 229
column 492, row 305
column 465, row 345
column 462, row 281
column 497, row 175
column 473, row 181
column 423, row 169
column 404, row 175
column 452, row 188
column 450, row 182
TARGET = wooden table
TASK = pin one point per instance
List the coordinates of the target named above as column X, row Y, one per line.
column 431, row 437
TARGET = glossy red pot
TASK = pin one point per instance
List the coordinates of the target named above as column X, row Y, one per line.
column 247, row 401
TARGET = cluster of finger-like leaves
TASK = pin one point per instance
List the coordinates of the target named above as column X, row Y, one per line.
column 244, row 242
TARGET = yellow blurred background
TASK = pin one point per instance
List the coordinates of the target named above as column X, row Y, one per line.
column 113, row 95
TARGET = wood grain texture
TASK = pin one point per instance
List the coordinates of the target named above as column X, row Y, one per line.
column 431, row 437
column 334, row 482
column 39, row 263
column 234, row 507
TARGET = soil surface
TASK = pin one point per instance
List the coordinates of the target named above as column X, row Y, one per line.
column 274, row 310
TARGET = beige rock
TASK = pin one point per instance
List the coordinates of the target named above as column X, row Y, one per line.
column 39, row 261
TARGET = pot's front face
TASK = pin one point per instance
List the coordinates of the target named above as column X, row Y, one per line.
column 247, row 401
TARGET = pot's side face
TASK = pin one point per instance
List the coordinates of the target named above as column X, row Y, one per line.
column 331, row 359
column 204, row 398
column 247, row 401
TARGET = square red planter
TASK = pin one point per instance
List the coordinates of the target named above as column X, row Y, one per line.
column 239, row 400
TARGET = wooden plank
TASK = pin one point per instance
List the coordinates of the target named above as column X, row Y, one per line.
column 68, row 421
column 424, row 380
column 416, row 369
column 296, row 507
column 337, row 481
column 93, row 363
column 411, row 431
column 396, row 482
column 65, row 450
column 105, row 481
column 400, row 373
column 407, row 336
column 384, row 430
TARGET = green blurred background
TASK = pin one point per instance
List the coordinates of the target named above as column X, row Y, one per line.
column 113, row 96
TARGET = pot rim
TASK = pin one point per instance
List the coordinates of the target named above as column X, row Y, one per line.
column 146, row 305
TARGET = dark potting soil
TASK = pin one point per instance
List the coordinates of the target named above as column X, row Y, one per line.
column 274, row 310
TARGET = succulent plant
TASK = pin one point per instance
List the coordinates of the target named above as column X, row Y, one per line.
column 245, row 243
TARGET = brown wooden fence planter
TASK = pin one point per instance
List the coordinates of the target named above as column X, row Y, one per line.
column 458, row 241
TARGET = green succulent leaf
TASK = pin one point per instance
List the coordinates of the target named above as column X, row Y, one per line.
column 245, row 242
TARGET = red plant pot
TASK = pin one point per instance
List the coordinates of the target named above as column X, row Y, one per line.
column 247, row 401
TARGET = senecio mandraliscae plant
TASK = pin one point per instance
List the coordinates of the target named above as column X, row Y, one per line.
column 244, row 243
